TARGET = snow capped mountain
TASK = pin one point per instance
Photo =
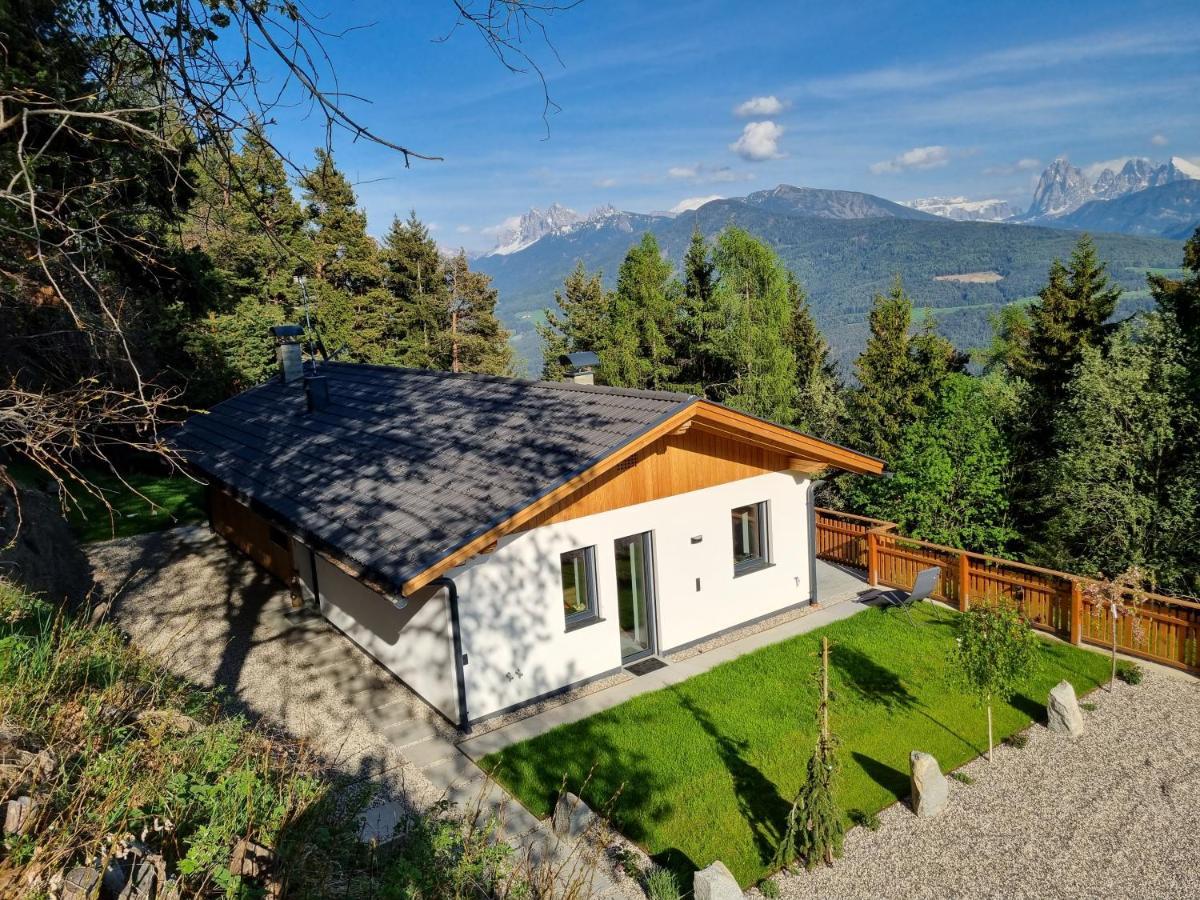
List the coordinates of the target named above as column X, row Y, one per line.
column 1063, row 188
column 963, row 210
column 518, row 232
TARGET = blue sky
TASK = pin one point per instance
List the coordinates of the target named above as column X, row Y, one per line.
column 956, row 98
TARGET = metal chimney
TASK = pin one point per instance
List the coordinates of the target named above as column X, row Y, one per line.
column 581, row 366
column 287, row 351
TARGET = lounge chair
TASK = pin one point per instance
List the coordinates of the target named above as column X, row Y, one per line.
column 923, row 587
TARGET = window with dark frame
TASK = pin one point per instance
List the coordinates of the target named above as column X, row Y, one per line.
column 750, row 544
column 579, row 585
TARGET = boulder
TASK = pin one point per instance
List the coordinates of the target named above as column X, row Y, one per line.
column 142, row 880
column 167, row 720
column 572, row 816
column 1062, row 711
column 19, row 815
column 930, row 791
column 715, row 883
column 251, row 860
column 81, row 883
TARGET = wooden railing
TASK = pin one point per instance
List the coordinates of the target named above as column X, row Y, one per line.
column 1163, row 629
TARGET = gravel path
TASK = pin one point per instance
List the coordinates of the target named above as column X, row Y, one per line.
column 1115, row 814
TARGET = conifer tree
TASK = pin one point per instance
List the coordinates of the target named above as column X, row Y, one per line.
column 701, row 370
column 756, row 307
column 353, row 308
column 819, row 407
column 643, row 316
column 473, row 340
column 417, row 280
column 580, row 323
column 1179, row 301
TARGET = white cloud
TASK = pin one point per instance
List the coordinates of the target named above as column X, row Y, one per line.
column 694, row 203
column 504, row 227
column 759, row 141
column 683, row 171
column 1028, row 164
column 1116, row 164
column 1159, row 140
column 433, row 226
column 463, row 229
column 916, row 158
column 706, row 174
column 605, row 182
column 760, row 106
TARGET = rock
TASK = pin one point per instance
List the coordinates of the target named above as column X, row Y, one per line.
column 715, row 883
column 99, row 613
column 168, row 720
column 141, row 883
column 251, row 860
column 45, row 763
column 571, row 816
column 19, row 815
column 81, row 883
column 1062, row 711
column 930, row 791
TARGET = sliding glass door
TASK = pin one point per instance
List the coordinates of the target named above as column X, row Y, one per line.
column 635, row 595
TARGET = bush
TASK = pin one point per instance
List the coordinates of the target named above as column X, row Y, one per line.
column 1017, row 741
column 865, row 819
column 962, row 777
column 1130, row 672
column 769, row 889
column 1088, row 706
column 662, row 884
column 630, row 862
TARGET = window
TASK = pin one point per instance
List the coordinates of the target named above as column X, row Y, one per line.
column 579, row 585
column 750, row 550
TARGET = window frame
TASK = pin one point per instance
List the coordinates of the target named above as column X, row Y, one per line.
column 591, row 613
column 763, row 560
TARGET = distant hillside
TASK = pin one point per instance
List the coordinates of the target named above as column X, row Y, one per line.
column 1171, row 210
column 842, row 262
column 826, row 204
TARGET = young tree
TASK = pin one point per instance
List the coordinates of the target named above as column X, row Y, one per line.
column 642, row 319
column 819, row 407
column 1118, row 598
column 757, row 306
column 474, row 340
column 581, row 322
column 814, row 828
column 996, row 651
column 950, row 473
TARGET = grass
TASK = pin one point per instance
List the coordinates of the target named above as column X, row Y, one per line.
column 709, row 767
column 175, row 500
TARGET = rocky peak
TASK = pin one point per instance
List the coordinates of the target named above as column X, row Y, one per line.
column 1061, row 189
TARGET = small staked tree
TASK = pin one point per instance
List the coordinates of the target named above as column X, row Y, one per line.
column 814, row 827
column 995, row 652
column 1119, row 597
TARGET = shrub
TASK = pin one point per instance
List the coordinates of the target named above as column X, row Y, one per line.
column 769, row 889
column 1130, row 672
column 962, row 777
column 662, row 884
column 865, row 819
column 1088, row 706
column 630, row 862
column 1017, row 741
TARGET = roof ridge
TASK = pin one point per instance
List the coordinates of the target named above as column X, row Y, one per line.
column 525, row 382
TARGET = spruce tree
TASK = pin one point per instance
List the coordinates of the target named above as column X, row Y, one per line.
column 353, row 309
column 700, row 369
column 643, row 316
column 1179, row 301
column 474, row 339
column 417, row 281
column 756, row 306
column 579, row 324
column 819, row 407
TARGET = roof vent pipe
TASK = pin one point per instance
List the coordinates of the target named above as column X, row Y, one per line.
column 316, row 392
column 287, row 351
column 581, row 366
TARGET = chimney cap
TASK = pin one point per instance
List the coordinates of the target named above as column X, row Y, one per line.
column 581, row 359
column 286, row 331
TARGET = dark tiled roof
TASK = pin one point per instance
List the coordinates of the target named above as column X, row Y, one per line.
column 404, row 466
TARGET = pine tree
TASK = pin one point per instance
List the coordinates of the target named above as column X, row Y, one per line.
column 819, row 407
column 581, row 322
column 756, row 307
column 353, row 307
column 1179, row 300
column 417, row 280
column 700, row 369
column 643, row 316
column 474, row 340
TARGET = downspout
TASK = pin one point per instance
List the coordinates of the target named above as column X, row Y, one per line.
column 460, row 660
column 812, row 540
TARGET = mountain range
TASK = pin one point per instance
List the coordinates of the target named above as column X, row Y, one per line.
column 844, row 246
column 1063, row 188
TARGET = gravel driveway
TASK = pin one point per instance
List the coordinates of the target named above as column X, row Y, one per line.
column 1115, row 814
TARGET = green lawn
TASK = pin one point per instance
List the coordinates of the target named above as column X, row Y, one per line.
column 176, row 500
column 709, row 767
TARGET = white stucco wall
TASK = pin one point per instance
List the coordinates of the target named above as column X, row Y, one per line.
column 415, row 643
column 513, row 626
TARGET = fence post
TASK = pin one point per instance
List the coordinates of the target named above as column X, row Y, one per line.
column 1076, row 611
column 964, row 581
column 872, row 558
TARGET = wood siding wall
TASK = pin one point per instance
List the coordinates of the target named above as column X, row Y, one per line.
column 672, row 465
column 250, row 533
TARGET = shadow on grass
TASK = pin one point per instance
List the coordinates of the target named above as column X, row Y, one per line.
column 869, row 680
column 891, row 779
column 758, row 800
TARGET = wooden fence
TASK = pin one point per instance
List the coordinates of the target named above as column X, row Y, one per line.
column 1163, row 629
